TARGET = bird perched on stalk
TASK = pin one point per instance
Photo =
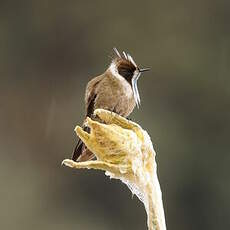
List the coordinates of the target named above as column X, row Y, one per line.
column 114, row 90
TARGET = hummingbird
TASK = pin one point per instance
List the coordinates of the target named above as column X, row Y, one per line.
column 114, row 90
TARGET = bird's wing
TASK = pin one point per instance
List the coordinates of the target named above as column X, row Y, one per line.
column 91, row 95
column 80, row 152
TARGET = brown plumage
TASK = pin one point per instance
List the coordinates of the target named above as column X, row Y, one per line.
column 115, row 90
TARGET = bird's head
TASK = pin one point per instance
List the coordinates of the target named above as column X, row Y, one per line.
column 124, row 66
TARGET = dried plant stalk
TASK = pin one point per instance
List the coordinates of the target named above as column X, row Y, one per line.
column 125, row 152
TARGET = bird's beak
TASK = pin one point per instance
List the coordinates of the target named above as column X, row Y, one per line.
column 143, row 70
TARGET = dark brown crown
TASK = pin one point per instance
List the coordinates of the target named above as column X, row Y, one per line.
column 125, row 65
column 126, row 69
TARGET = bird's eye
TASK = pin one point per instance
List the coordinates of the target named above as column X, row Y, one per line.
column 125, row 72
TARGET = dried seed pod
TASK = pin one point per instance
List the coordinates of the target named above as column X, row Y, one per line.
column 125, row 151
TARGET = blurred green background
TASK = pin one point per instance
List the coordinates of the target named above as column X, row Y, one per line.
column 50, row 49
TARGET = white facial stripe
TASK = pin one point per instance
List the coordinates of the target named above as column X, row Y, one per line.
column 135, row 89
column 135, row 92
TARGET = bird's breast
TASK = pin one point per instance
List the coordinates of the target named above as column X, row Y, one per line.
column 115, row 94
column 125, row 99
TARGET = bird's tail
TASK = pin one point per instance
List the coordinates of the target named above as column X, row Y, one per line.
column 81, row 153
column 78, row 150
